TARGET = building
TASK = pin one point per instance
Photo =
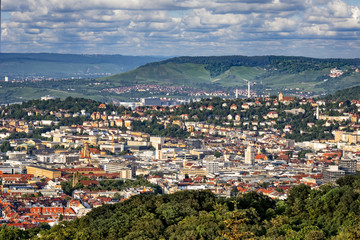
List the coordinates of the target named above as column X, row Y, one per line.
column 348, row 165
column 113, row 167
column 155, row 141
column 193, row 171
column 48, row 97
column 43, row 172
column 332, row 173
column 250, row 155
column 114, row 148
column 68, row 158
column 83, row 170
column 45, row 158
column 283, row 98
column 212, row 168
column 194, row 143
column 151, row 101
column 126, row 173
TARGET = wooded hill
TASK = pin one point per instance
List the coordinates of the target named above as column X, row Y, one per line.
column 346, row 94
column 327, row 213
column 267, row 74
column 274, row 72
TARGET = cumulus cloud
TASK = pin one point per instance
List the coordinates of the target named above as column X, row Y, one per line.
column 183, row 27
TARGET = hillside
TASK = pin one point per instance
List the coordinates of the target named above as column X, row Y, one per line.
column 51, row 65
column 266, row 72
column 346, row 94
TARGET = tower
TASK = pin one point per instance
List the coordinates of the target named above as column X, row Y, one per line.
column 281, row 96
column 317, row 113
column 85, row 153
column 75, row 179
column 250, row 155
column 249, row 95
column 237, row 93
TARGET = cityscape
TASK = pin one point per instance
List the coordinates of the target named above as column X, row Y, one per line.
column 106, row 157
column 180, row 120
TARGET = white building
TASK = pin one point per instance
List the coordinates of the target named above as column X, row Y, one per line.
column 250, row 155
column 212, row 167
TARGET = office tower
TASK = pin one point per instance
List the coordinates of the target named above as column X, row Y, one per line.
column 250, row 155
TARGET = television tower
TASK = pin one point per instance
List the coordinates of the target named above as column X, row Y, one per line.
column 249, row 93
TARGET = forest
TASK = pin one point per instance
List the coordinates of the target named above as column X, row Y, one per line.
column 343, row 95
column 330, row 212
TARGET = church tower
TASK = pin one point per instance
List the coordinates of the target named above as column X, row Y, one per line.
column 75, row 179
column 281, row 96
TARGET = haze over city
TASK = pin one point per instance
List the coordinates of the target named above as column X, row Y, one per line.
column 315, row 28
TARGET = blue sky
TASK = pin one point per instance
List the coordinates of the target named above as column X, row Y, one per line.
column 315, row 28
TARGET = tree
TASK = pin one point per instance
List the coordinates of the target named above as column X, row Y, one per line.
column 5, row 146
column 234, row 225
column 297, row 196
column 347, row 180
column 116, row 196
column 217, row 154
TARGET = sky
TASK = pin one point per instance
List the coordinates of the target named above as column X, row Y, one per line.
column 313, row 28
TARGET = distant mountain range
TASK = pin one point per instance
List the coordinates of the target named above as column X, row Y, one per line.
column 174, row 77
column 52, row 65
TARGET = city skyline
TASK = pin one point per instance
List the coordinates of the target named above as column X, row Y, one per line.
column 313, row 28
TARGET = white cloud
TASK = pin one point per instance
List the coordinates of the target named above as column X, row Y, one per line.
column 339, row 8
column 182, row 27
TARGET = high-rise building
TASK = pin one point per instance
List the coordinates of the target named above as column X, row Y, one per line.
column 332, row 173
column 317, row 113
column 212, row 167
column 250, row 155
column 348, row 165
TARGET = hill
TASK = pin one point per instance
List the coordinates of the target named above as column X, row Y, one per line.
column 176, row 77
column 346, row 94
column 52, row 65
column 265, row 72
